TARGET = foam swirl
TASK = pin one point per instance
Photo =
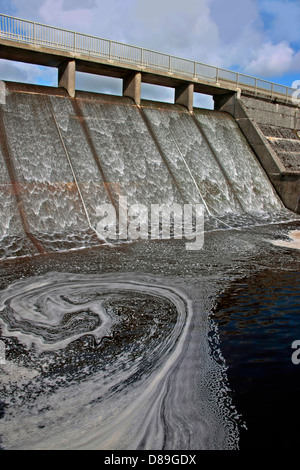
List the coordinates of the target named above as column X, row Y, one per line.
column 110, row 354
column 51, row 311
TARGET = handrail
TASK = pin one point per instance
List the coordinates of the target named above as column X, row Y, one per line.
column 30, row 32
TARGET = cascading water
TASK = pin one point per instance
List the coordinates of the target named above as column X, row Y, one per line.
column 68, row 156
column 243, row 171
column 114, row 347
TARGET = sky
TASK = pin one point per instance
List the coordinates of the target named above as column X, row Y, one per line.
column 256, row 37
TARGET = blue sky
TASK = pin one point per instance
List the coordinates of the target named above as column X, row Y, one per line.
column 257, row 37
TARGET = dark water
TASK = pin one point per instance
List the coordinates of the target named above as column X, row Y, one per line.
column 259, row 319
column 197, row 354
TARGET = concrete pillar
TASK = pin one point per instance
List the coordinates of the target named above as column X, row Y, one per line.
column 184, row 95
column 66, row 76
column 132, row 86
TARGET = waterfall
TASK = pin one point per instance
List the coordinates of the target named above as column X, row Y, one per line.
column 63, row 157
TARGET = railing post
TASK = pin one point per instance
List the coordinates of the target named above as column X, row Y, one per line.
column 109, row 50
column 74, row 41
column 170, row 65
column 217, row 74
column 33, row 33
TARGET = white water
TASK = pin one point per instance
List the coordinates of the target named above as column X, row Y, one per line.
column 49, row 194
column 70, row 157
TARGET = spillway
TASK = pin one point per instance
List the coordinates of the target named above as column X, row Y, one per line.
column 63, row 157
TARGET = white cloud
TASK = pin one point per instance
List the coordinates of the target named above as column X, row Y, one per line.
column 27, row 73
column 12, row 71
column 77, row 4
column 282, row 19
column 26, row 9
column 235, row 19
column 176, row 27
column 52, row 11
column 100, row 84
column 274, row 60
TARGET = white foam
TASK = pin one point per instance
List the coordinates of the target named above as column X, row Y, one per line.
column 2, row 92
column 159, row 389
column 11, row 372
column 294, row 241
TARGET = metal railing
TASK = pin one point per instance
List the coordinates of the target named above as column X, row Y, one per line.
column 30, row 32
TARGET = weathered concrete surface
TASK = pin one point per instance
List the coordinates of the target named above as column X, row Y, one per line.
column 66, row 76
column 274, row 113
column 184, row 95
column 271, row 128
column 132, row 87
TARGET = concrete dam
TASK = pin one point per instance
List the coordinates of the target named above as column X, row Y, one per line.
column 146, row 340
column 63, row 157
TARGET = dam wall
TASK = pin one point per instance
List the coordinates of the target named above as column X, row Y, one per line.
column 272, row 128
column 62, row 157
column 266, row 112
